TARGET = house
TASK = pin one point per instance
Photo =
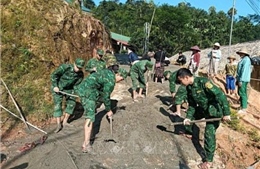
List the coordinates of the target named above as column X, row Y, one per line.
column 119, row 42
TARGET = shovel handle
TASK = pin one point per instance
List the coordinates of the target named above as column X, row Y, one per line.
column 197, row 121
column 111, row 126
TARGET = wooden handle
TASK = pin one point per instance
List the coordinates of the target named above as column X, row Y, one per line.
column 197, row 121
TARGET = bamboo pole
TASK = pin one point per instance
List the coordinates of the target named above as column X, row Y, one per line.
column 21, row 119
column 17, row 107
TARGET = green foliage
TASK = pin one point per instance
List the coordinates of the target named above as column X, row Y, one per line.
column 175, row 27
column 235, row 122
column 254, row 136
column 235, row 125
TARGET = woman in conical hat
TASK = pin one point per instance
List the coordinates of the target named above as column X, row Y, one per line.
column 243, row 78
column 194, row 60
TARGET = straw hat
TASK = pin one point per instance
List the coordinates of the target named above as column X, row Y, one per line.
column 243, row 51
column 195, row 48
column 232, row 57
column 217, row 44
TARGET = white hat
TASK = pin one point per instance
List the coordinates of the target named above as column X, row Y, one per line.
column 217, row 44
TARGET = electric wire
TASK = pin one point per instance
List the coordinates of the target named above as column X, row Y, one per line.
column 254, row 6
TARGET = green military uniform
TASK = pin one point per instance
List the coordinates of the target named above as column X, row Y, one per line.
column 65, row 78
column 181, row 93
column 137, row 72
column 96, row 85
column 207, row 101
column 110, row 59
column 95, row 63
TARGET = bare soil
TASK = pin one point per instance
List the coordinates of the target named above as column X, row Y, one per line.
column 142, row 134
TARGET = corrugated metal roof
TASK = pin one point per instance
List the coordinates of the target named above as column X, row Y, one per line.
column 119, row 37
column 83, row 8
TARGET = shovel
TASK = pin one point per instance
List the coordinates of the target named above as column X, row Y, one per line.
column 111, row 131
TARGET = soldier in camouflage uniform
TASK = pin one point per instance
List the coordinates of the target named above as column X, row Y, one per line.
column 137, row 72
column 178, row 97
column 65, row 78
column 96, row 64
column 99, row 84
column 211, row 101
column 109, row 58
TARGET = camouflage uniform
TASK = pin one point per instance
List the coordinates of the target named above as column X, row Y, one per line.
column 95, row 63
column 65, row 78
column 96, row 85
column 137, row 72
column 110, row 59
column 206, row 101
column 181, row 93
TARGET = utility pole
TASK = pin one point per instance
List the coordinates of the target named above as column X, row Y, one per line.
column 146, row 38
column 147, row 31
column 231, row 29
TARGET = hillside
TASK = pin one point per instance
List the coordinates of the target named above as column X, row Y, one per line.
column 36, row 37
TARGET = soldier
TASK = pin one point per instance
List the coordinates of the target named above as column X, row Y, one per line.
column 96, row 64
column 109, row 58
column 65, row 78
column 94, row 86
column 137, row 72
column 211, row 101
column 178, row 97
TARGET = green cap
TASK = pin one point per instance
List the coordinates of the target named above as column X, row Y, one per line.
column 80, row 63
column 166, row 73
column 100, row 52
column 149, row 65
column 112, row 62
column 122, row 72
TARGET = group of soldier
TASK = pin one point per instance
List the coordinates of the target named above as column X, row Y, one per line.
column 205, row 100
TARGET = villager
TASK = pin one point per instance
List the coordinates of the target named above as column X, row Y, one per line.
column 97, row 63
column 243, row 78
column 64, row 79
column 96, row 85
column 194, row 60
column 181, row 59
column 137, row 72
column 231, row 71
column 214, row 58
column 159, row 64
column 207, row 101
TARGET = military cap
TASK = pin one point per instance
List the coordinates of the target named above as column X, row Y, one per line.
column 112, row 62
column 122, row 72
column 79, row 63
column 100, row 52
column 166, row 73
column 149, row 65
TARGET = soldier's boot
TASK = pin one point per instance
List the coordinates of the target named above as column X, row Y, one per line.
column 59, row 127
